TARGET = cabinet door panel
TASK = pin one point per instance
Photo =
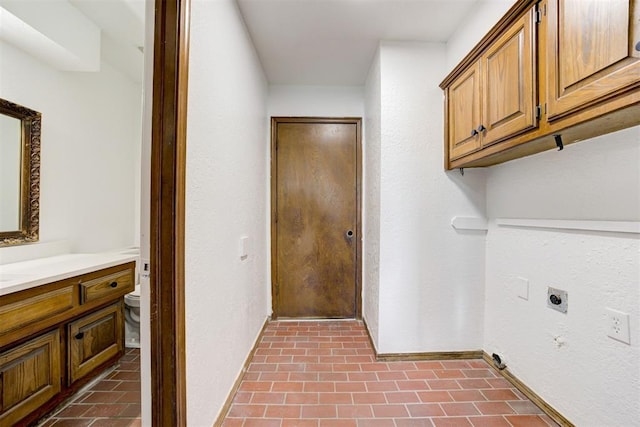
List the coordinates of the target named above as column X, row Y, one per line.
column 94, row 339
column 464, row 113
column 509, row 89
column 29, row 377
column 591, row 54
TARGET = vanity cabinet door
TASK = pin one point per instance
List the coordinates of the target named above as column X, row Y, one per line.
column 463, row 113
column 94, row 340
column 593, row 52
column 29, row 377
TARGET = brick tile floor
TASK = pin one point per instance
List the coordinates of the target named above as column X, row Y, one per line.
column 323, row 373
column 112, row 402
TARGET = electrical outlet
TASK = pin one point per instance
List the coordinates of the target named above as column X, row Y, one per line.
column 557, row 299
column 618, row 326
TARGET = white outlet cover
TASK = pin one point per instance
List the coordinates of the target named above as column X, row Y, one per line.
column 618, row 326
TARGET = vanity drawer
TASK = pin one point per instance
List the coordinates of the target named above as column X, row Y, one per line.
column 109, row 286
column 35, row 308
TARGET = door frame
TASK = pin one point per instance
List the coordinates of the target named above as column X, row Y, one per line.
column 167, row 212
column 274, row 274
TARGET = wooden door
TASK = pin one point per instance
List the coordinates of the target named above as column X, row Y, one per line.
column 509, row 89
column 464, row 113
column 315, row 227
column 592, row 52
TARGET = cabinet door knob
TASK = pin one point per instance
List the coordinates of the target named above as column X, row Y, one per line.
column 481, row 128
column 113, row 284
column 79, row 335
column 474, row 132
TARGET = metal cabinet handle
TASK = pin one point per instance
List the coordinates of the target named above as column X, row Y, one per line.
column 350, row 234
column 474, row 132
column 113, row 284
column 481, row 128
column 79, row 335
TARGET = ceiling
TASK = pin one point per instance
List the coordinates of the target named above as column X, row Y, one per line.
column 93, row 31
column 332, row 42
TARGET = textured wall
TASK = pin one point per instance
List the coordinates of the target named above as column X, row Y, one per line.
column 90, row 135
column 567, row 358
column 318, row 101
column 371, row 202
column 226, row 297
column 431, row 276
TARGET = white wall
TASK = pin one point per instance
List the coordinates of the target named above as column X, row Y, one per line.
column 566, row 358
column 90, row 128
column 371, row 202
column 590, row 378
column 226, row 297
column 316, row 101
column 430, row 284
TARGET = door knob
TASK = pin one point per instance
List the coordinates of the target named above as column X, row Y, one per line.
column 474, row 132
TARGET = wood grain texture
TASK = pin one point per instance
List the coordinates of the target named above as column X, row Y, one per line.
column 94, row 339
column 316, row 214
column 168, row 163
column 509, row 88
column 29, row 377
column 34, row 308
column 115, row 284
column 591, row 52
column 464, row 113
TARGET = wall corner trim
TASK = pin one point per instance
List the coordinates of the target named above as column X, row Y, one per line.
column 469, row 223
column 631, row 227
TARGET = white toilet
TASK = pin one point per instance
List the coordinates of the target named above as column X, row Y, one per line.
column 132, row 305
column 132, row 318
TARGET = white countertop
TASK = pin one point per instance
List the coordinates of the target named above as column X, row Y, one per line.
column 28, row 274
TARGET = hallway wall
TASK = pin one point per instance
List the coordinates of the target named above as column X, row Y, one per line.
column 227, row 168
column 430, row 275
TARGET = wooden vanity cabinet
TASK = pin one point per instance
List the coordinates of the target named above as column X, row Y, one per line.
column 550, row 72
column 30, row 376
column 56, row 337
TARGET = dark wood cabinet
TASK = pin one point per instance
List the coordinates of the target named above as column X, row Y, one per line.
column 591, row 52
column 29, row 377
column 94, row 340
column 550, row 72
column 56, row 337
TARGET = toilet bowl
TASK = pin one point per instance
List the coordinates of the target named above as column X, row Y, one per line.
column 132, row 318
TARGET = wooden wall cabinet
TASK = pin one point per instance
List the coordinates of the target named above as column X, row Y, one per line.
column 495, row 98
column 56, row 337
column 548, row 68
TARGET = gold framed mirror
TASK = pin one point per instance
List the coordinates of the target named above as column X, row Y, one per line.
column 19, row 174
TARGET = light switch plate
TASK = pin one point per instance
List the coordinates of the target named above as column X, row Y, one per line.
column 522, row 288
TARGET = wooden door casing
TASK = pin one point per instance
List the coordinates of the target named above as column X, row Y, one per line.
column 509, row 86
column 591, row 53
column 315, row 206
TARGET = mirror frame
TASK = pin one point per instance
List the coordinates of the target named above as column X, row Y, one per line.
column 30, row 175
